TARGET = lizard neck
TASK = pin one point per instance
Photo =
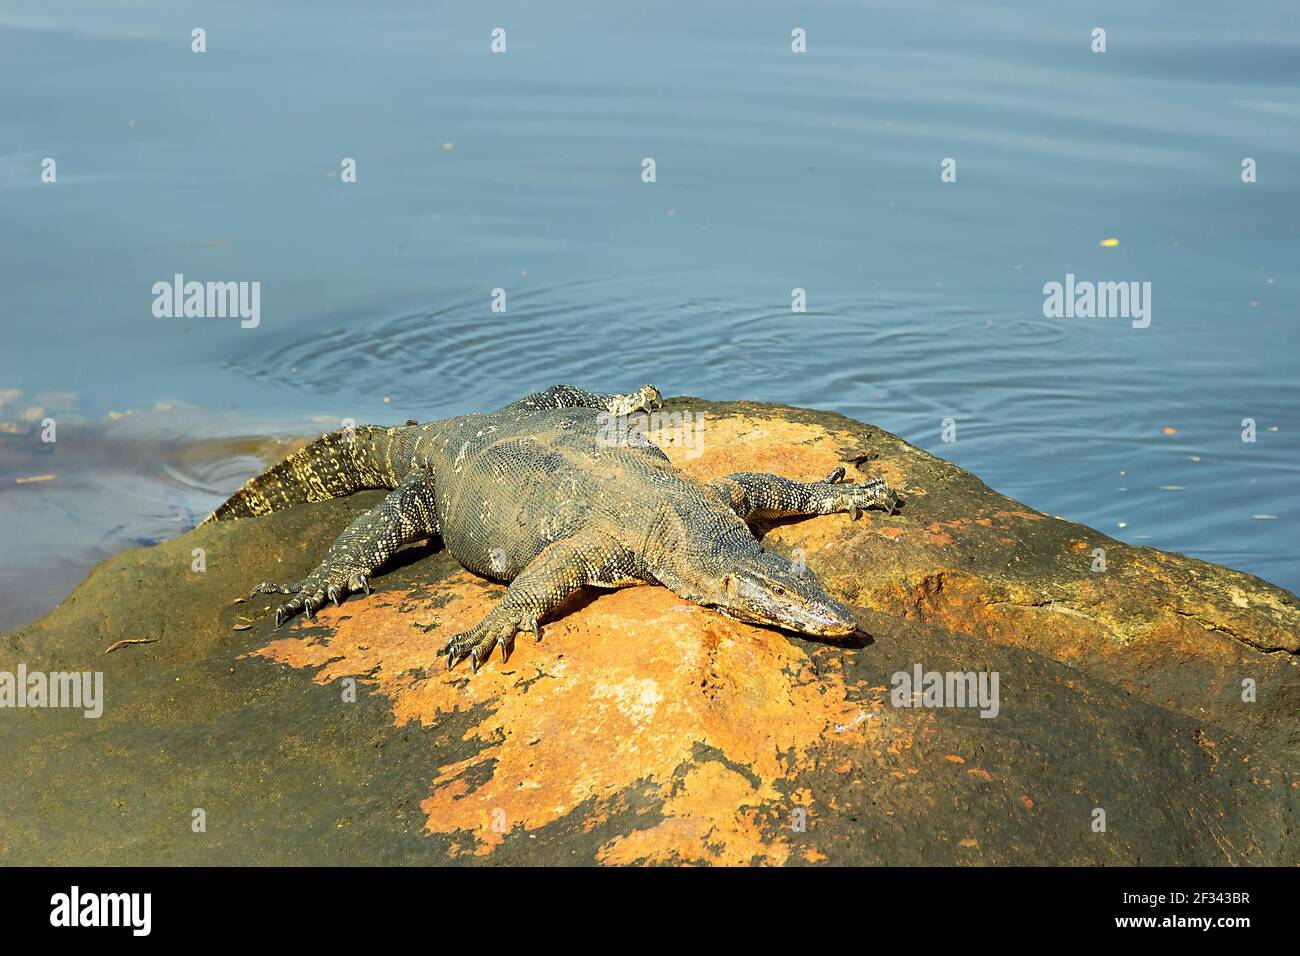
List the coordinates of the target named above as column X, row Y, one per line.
column 690, row 553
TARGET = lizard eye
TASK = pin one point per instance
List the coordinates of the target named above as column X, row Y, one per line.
column 777, row 589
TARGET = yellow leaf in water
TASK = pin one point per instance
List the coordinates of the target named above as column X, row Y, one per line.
column 1109, row 243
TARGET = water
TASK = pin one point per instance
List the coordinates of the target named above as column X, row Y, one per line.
column 774, row 171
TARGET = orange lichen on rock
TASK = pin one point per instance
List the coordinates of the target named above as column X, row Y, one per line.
column 637, row 688
column 938, row 535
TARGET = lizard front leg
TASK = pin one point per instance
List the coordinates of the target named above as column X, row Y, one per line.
column 755, row 496
column 407, row 514
column 562, row 567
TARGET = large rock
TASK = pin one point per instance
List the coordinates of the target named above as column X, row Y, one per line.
column 645, row 729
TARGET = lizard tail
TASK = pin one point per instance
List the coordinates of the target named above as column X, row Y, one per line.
column 336, row 464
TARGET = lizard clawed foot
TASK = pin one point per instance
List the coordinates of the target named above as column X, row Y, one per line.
column 498, row 629
column 651, row 400
column 855, row 498
column 324, row 584
column 644, row 399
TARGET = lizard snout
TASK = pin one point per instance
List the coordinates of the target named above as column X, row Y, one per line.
column 771, row 592
column 827, row 618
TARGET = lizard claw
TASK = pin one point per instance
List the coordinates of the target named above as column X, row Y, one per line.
column 286, row 611
column 834, row 476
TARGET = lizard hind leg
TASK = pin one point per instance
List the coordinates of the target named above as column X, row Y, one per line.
column 407, row 514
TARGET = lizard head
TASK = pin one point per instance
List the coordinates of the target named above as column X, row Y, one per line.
column 765, row 588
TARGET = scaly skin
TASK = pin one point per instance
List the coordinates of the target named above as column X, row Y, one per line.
column 532, row 494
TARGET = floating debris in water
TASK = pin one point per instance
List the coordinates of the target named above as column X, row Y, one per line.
column 1173, row 487
column 1169, row 430
column 242, row 627
column 1193, row 457
column 448, row 147
column 1109, row 243
column 29, row 480
column 1264, row 517
column 1123, row 524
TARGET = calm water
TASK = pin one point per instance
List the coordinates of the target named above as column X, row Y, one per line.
column 774, row 170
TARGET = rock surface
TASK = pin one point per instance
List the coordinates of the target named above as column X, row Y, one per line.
column 645, row 729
